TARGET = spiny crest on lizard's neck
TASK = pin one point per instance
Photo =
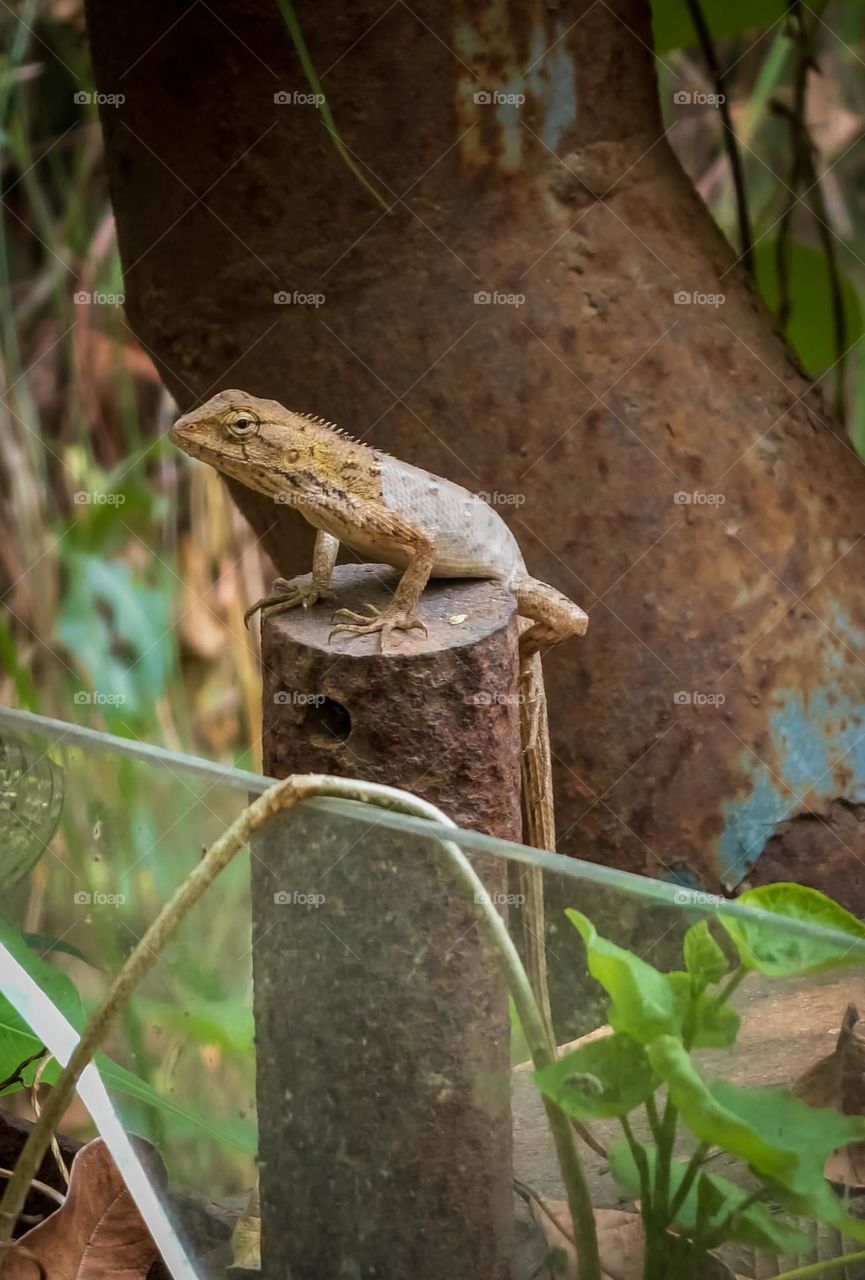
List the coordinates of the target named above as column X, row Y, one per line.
column 264, row 445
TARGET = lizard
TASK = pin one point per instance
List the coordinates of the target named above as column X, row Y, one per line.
column 394, row 513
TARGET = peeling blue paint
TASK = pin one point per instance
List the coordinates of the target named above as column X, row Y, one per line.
column 548, row 76
column 816, row 752
column 843, row 625
column 680, row 874
column 551, row 79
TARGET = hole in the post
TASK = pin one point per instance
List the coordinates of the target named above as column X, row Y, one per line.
column 327, row 721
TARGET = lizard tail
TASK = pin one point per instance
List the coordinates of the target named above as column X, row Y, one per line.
column 539, row 824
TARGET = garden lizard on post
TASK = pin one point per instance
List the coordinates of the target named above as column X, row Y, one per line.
column 393, row 513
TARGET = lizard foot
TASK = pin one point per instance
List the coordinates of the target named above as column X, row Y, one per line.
column 366, row 624
column 286, row 595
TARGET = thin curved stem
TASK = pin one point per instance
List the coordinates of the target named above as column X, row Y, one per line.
column 731, row 142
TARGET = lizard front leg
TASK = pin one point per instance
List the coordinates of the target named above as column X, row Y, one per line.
column 397, row 537
column 286, row 595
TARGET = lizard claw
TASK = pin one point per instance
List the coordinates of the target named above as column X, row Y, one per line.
column 383, row 621
column 358, row 617
column 288, row 595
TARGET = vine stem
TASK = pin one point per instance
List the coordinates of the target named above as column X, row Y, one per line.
column 738, row 976
column 731, row 142
column 283, row 796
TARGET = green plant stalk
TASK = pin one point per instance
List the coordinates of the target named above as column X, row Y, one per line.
column 639, row 1157
column 839, row 316
column 715, row 1235
column 818, row 1268
column 687, row 1182
column 17, row 54
column 735, row 978
column 283, row 795
column 286, row 8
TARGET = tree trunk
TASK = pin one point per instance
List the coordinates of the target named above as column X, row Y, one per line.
column 666, row 464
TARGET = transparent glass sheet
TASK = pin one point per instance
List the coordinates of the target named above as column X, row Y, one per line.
column 387, row 1052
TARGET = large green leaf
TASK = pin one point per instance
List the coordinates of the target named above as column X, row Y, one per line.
column 778, row 951
column 779, row 1136
column 811, row 327
column 756, row 1226
column 605, row 1077
column 644, row 1004
column 674, row 29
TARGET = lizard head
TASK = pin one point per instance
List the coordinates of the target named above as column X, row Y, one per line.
column 258, row 442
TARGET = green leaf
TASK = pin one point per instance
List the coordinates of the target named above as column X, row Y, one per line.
column 674, row 29
column 720, row 1197
column 644, row 1004
column 780, row 952
column 811, row 327
column 25, row 688
column 117, row 628
column 228, row 1023
column 44, row 943
column 17, row 1043
column 704, row 1022
column 605, row 1077
column 237, row 1133
column 779, row 1136
column 704, row 959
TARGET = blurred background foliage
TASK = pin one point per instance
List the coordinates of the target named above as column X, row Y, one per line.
column 124, row 570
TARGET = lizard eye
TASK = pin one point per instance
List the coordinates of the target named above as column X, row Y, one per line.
column 242, row 422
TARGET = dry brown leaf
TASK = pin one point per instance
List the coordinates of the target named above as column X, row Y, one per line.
column 837, row 1081
column 620, row 1242
column 98, row 1233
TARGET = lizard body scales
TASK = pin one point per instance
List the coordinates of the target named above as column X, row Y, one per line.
column 394, row 513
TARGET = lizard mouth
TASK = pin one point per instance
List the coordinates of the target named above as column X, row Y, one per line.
column 181, row 435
